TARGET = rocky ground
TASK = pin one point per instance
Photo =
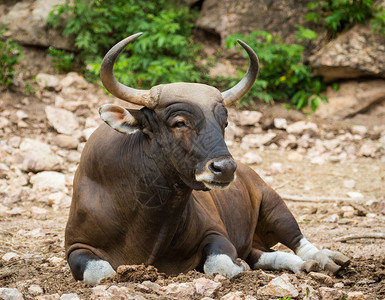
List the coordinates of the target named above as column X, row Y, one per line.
column 331, row 175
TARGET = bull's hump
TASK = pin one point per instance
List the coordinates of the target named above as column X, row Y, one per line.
column 197, row 93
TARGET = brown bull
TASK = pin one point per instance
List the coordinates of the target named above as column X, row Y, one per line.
column 163, row 189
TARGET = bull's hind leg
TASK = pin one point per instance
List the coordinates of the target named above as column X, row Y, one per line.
column 88, row 267
column 220, row 257
column 277, row 224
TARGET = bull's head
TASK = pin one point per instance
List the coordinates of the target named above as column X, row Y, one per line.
column 186, row 121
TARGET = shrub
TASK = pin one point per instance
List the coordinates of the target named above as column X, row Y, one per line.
column 62, row 61
column 283, row 75
column 165, row 52
column 337, row 15
column 10, row 54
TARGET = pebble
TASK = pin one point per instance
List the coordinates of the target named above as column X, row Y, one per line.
column 320, row 277
column 368, row 149
column 48, row 297
column 10, row 256
column 49, row 180
column 327, row 293
column 35, row 290
column 62, row 120
column 251, row 158
column 277, row 168
column 280, row 123
column 359, row 129
column 181, row 290
column 295, row 156
column 206, row 287
column 356, row 296
column 257, row 140
column 355, row 195
column 39, row 213
column 301, row 126
column 10, row 294
column 37, row 156
column 349, row 183
column 334, row 218
column 279, row 286
column 247, row 118
column 347, row 211
column 66, row 141
column 71, row 296
column 47, row 81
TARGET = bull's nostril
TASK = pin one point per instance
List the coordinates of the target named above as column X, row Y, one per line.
column 215, row 168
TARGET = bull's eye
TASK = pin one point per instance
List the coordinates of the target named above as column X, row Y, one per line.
column 180, row 124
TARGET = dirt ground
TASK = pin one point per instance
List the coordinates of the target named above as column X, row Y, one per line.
column 314, row 193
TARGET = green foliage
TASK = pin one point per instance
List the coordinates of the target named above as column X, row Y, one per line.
column 10, row 54
column 283, row 75
column 337, row 15
column 164, row 53
column 284, row 298
column 63, row 62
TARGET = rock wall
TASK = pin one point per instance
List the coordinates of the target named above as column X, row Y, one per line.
column 26, row 20
column 226, row 17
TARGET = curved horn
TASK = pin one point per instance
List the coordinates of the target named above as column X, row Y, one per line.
column 140, row 97
column 237, row 92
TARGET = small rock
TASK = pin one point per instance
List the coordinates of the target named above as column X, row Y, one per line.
column 20, row 114
column 10, row 256
column 294, row 156
column 206, row 287
column 49, row 180
column 35, row 233
column 327, row 293
column 320, row 277
column 318, row 160
column 87, row 132
column 219, row 278
column 39, row 213
column 347, row 211
column 71, row 296
column 14, row 141
column 234, row 296
column 277, row 168
column 251, row 158
column 279, row 286
column 35, row 290
column 66, row 141
column 368, row 149
column 257, row 140
column 92, row 123
column 56, row 260
column 10, row 294
column 47, row 81
column 73, row 79
column 4, row 122
column 151, row 285
column 248, row 118
column 179, row 290
column 349, row 183
column 359, row 129
column 37, row 156
column 48, row 297
column 301, row 126
column 280, row 123
column 59, row 200
column 339, row 285
column 355, row 195
column 356, row 296
column 62, row 120
column 334, row 218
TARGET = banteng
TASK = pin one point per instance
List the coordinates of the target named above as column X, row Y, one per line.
column 158, row 186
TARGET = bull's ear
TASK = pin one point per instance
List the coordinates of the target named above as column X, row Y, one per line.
column 119, row 118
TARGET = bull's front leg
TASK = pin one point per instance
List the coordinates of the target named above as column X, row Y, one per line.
column 329, row 260
column 220, row 257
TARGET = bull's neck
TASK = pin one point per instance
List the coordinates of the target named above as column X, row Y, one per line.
column 158, row 181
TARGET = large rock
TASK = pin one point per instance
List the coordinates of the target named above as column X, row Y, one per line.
column 49, row 180
column 27, row 23
column 62, row 120
column 37, row 156
column 351, row 98
column 357, row 53
column 279, row 286
column 226, row 17
column 10, row 294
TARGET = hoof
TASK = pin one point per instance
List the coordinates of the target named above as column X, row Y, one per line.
column 332, row 267
column 243, row 264
column 342, row 260
column 310, row 266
